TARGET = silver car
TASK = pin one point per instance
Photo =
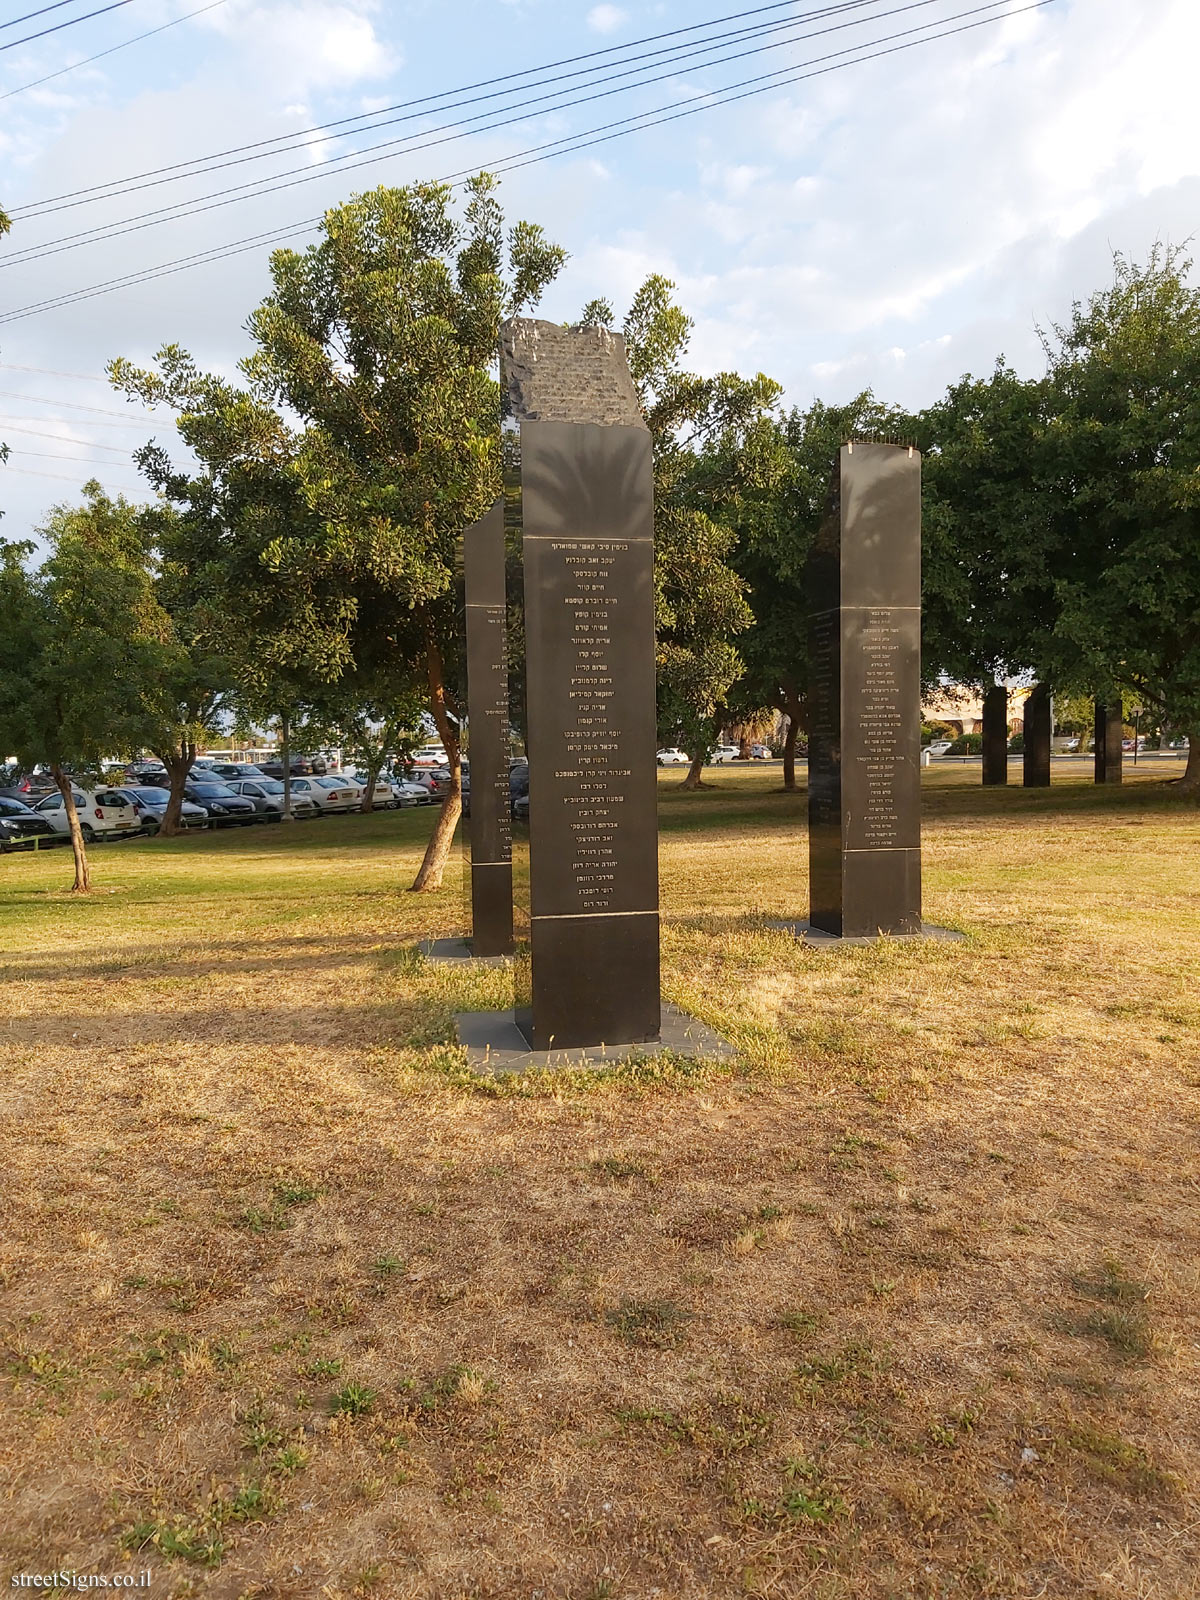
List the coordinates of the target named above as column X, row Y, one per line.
column 151, row 802
column 266, row 795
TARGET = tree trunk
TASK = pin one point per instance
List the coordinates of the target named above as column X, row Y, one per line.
column 789, row 754
column 178, row 764
column 794, row 710
column 437, row 851
column 744, row 742
column 285, row 755
column 368, row 799
column 1191, row 778
column 692, row 780
column 83, row 878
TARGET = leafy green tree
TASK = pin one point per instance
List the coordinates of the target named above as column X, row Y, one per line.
column 80, row 639
column 988, row 558
column 1124, row 379
column 700, row 604
column 369, row 718
column 381, row 341
column 773, row 484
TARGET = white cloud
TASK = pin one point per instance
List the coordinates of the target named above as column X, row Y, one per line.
column 606, row 18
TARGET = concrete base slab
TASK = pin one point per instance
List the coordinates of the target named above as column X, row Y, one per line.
column 496, row 1047
column 458, row 951
column 818, row 939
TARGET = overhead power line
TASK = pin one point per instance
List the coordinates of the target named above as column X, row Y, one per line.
column 56, row 455
column 458, row 127
column 404, row 105
column 451, row 133
column 41, row 12
column 219, row 198
column 63, row 477
column 72, row 405
column 8, row 421
column 59, row 438
column 137, row 38
column 69, row 23
column 572, row 143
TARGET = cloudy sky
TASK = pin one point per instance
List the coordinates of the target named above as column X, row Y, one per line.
column 890, row 223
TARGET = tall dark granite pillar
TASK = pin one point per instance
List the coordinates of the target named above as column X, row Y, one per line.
column 995, row 734
column 487, row 832
column 579, row 484
column 865, row 651
column 1036, row 738
column 1110, row 731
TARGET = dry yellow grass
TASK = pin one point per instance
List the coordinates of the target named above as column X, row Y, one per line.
column 903, row 1304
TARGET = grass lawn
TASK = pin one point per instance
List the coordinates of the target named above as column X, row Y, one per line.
column 903, row 1303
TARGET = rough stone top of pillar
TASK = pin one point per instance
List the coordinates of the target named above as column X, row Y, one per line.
column 549, row 373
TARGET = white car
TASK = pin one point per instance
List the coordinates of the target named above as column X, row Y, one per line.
column 429, row 755
column 330, row 793
column 939, row 747
column 723, row 753
column 674, row 758
column 103, row 814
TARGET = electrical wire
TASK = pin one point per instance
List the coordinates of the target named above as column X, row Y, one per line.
column 70, row 23
column 62, row 477
column 8, row 421
column 402, row 105
column 603, row 135
column 112, row 50
column 58, row 438
column 73, row 405
column 54, row 455
column 523, row 108
column 52, row 372
column 220, row 198
column 29, row 15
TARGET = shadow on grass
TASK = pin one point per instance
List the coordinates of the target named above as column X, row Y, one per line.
column 239, row 955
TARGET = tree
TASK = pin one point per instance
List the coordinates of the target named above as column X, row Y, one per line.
column 381, row 340
column 1124, row 375
column 988, row 556
column 700, row 604
column 369, row 718
column 80, row 638
column 773, row 484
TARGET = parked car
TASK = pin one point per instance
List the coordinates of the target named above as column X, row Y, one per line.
column 300, row 767
column 345, row 793
column 150, row 801
column 520, row 807
column 938, row 747
column 103, row 814
column 674, row 758
column 429, row 755
column 266, row 795
column 222, row 806
column 228, row 771
column 410, row 792
column 22, row 829
column 325, row 799
column 26, row 786
column 722, row 754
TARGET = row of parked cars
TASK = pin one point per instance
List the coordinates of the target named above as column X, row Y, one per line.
column 215, row 796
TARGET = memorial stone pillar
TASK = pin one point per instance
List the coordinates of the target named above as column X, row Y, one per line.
column 487, row 832
column 1036, row 738
column 1110, row 731
column 995, row 734
column 865, row 695
column 579, row 496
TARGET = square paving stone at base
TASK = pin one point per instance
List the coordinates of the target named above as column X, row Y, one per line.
column 496, row 1047
column 458, row 952
column 818, row 939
